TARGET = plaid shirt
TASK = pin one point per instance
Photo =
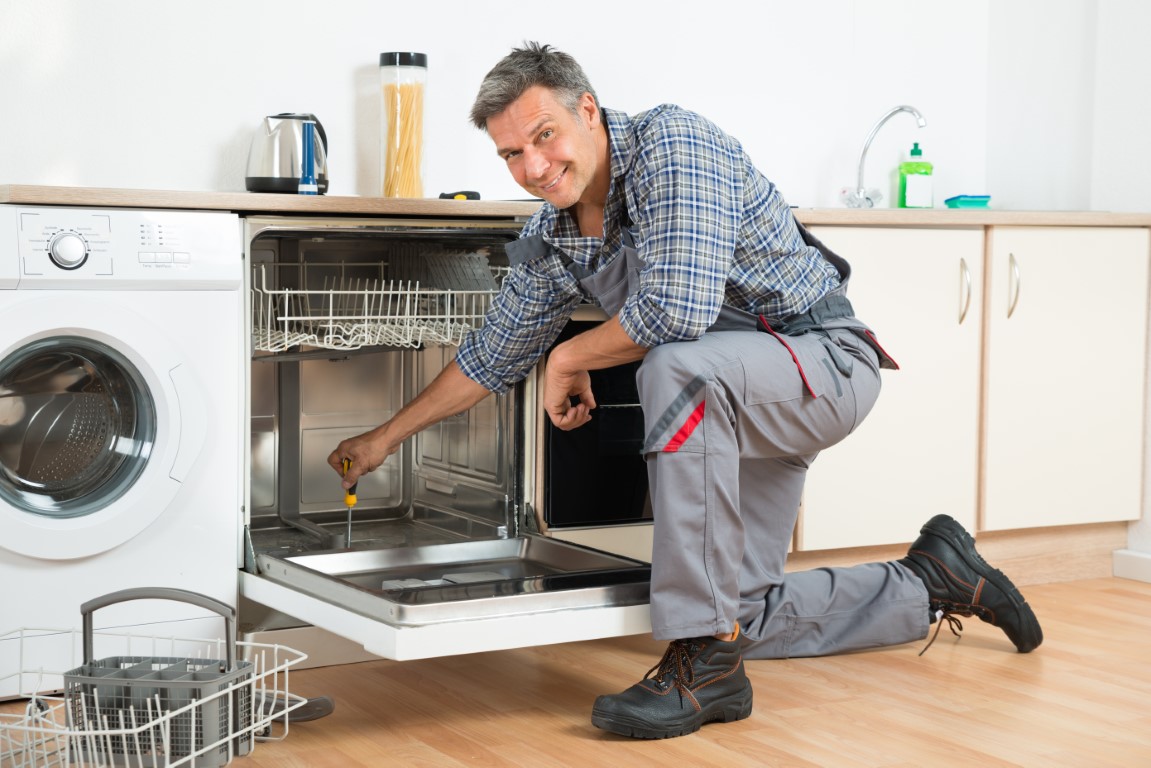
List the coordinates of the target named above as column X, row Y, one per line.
column 709, row 226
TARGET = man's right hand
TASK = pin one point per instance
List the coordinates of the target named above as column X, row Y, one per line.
column 366, row 453
column 451, row 392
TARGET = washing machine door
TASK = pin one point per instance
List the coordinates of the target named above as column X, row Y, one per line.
column 86, row 414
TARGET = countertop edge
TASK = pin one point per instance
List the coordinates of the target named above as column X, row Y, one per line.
column 966, row 217
column 251, row 202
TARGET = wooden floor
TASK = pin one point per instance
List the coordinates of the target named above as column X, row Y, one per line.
column 1082, row 699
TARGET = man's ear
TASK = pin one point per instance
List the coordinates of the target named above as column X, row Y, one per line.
column 589, row 110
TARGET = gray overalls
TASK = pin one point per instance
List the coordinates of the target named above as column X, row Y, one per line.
column 733, row 420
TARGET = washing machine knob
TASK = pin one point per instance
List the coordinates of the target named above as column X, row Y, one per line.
column 67, row 250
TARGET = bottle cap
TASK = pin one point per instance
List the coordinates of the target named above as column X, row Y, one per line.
column 915, row 150
column 403, row 59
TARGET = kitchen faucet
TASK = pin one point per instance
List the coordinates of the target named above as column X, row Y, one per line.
column 861, row 197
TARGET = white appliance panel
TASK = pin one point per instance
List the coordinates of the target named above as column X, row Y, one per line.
column 179, row 324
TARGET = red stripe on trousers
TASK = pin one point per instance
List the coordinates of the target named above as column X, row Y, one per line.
column 684, row 432
column 875, row 341
column 790, row 351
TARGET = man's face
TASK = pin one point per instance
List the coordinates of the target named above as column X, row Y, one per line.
column 550, row 151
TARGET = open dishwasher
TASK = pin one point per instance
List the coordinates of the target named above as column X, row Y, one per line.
column 446, row 550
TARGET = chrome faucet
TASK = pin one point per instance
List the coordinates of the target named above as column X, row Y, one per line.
column 861, row 197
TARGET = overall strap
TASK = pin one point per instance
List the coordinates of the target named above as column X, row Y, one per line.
column 534, row 247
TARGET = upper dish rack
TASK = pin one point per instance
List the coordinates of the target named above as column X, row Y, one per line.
column 349, row 305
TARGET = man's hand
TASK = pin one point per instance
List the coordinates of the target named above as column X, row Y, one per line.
column 559, row 388
column 566, row 375
column 366, row 453
column 451, row 392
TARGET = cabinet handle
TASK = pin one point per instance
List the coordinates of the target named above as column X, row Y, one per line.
column 1014, row 284
column 964, row 281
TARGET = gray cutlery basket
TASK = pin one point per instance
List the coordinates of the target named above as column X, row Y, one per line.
column 206, row 704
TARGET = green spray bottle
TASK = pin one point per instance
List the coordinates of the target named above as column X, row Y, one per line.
column 915, row 181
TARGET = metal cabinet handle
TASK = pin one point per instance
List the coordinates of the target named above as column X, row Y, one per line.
column 1014, row 282
column 964, row 282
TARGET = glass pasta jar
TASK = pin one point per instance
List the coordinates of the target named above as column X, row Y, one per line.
column 403, row 78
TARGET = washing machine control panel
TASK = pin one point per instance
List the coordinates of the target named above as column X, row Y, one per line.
column 126, row 248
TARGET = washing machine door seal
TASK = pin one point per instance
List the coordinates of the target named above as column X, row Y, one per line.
column 76, row 427
column 98, row 424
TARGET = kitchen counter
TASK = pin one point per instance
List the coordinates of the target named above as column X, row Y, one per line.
column 248, row 202
column 966, row 217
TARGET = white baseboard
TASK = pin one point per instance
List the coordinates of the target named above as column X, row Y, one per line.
column 1133, row 564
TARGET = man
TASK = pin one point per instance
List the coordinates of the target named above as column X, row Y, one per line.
column 753, row 362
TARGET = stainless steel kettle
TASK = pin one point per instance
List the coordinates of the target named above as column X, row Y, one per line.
column 276, row 155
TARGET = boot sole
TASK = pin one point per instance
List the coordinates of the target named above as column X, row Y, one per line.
column 962, row 542
column 727, row 711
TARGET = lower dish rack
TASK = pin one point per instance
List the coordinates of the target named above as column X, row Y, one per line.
column 198, row 705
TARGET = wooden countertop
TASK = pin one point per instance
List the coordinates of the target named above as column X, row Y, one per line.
column 248, row 202
column 967, row 217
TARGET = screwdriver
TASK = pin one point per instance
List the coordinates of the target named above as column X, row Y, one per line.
column 350, row 500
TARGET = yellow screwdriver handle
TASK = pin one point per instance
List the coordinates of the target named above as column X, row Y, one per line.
column 349, row 494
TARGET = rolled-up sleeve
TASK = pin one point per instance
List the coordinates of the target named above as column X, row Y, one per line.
column 526, row 316
column 688, row 187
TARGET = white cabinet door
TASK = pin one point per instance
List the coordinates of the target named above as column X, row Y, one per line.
column 916, row 454
column 1067, row 341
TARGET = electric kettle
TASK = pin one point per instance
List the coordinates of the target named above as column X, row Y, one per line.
column 275, row 159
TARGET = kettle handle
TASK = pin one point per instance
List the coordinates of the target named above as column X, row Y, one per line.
column 314, row 119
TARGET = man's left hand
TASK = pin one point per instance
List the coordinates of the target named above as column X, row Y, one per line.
column 560, row 387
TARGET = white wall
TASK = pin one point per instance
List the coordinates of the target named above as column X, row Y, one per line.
column 134, row 93
column 1044, row 104
column 1121, row 142
column 1041, row 81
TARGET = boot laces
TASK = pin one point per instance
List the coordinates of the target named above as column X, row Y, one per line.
column 953, row 623
column 676, row 664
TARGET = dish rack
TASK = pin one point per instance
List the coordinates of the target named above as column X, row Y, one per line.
column 197, row 705
column 347, row 306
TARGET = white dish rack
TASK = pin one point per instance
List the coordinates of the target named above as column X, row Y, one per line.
column 189, row 702
column 337, row 308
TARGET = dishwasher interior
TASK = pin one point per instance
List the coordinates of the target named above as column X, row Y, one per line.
column 349, row 321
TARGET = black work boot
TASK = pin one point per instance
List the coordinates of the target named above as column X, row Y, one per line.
column 960, row 582
column 698, row 681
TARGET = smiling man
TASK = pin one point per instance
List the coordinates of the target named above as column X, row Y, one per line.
column 753, row 363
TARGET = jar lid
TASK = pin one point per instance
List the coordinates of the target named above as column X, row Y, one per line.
column 403, row 59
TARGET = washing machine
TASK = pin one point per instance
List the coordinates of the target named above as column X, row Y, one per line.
column 122, row 360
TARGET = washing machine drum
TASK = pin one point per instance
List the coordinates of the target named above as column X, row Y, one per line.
column 77, row 425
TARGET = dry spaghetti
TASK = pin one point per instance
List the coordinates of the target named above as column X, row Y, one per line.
column 403, row 139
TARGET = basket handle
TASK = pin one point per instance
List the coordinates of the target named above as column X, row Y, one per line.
column 161, row 593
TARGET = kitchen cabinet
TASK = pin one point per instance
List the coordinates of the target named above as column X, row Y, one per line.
column 916, row 454
column 1066, row 363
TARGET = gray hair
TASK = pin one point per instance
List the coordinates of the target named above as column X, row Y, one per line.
column 523, row 68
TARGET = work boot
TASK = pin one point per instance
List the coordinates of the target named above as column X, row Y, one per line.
column 959, row 582
column 698, row 681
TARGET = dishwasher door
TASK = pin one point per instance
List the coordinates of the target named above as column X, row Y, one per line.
column 464, row 597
